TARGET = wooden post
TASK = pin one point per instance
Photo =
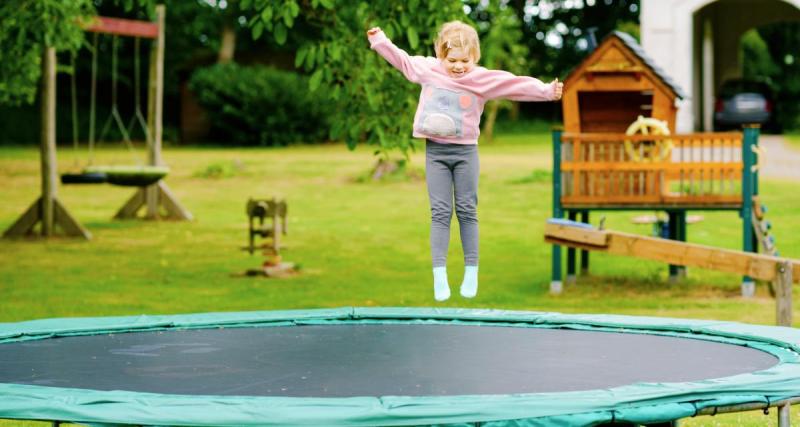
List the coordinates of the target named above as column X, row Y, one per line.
column 156, row 197
column 155, row 108
column 48, row 138
column 47, row 209
column 783, row 294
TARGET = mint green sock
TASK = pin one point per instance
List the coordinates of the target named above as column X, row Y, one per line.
column 441, row 289
column 469, row 287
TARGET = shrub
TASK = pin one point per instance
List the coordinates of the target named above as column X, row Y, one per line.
column 258, row 105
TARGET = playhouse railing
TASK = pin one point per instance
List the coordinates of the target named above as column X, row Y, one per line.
column 701, row 171
column 610, row 169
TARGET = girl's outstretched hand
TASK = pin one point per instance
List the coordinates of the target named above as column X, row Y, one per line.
column 372, row 31
column 558, row 89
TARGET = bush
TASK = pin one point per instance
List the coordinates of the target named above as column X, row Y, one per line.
column 257, row 105
column 15, row 134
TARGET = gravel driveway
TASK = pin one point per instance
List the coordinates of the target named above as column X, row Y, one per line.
column 781, row 161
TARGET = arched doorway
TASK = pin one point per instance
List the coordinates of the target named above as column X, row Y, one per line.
column 718, row 28
column 696, row 42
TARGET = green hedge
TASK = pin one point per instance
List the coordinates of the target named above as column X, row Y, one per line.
column 20, row 125
column 258, row 105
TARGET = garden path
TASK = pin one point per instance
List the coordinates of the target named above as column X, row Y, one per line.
column 781, row 160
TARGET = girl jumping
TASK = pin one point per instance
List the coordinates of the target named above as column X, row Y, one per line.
column 454, row 91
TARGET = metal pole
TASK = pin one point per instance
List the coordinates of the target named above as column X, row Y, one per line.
column 750, row 134
column 747, row 407
column 784, row 415
column 556, row 285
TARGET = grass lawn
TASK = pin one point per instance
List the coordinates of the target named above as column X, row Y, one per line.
column 793, row 138
column 359, row 243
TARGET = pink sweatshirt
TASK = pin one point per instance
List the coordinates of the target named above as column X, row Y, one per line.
column 450, row 108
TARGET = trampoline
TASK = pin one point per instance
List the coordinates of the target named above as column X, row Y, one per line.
column 391, row 366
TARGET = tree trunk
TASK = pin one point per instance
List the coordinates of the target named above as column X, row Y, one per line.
column 227, row 44
column 513, row 114
column 491, row 118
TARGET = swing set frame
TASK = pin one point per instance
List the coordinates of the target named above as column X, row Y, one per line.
column 156, row 198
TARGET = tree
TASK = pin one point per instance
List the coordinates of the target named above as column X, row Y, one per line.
column 374, row 103
column 502, row 47
column 213, row 24
column 555, row 31
column 782, row 40
column 26, row 28
column 757, row 63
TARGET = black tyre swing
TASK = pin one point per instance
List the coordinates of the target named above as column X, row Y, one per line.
column 84, row 178
column 122, row 175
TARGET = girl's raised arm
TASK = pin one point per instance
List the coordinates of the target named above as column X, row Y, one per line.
column 412, row 67
column 494, row 84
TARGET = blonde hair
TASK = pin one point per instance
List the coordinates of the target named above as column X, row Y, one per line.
column 457, row 34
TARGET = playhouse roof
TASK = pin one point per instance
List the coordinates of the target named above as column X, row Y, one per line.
column 637, row 50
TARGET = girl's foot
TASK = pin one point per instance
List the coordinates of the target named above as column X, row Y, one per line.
column 469, row 287
column 441, row 289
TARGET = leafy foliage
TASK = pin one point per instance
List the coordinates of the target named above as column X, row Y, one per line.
column 556, row 31
column 27, row 26
column 258, row 105
column 502, row 47
column 30, row 25
column 781, row 40
column 374, row 104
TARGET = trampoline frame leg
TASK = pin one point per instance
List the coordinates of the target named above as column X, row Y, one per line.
column 784, row 415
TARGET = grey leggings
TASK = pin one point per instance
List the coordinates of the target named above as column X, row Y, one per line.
column 450, row 167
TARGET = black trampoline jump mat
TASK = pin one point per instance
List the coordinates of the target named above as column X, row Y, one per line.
column 346, row 360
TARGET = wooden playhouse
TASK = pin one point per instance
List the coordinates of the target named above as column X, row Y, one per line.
column 614, row 85
column 618, row 150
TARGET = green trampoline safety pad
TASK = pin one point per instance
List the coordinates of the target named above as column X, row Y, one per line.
column 389, row 366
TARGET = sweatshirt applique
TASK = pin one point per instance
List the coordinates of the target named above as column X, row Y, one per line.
column 443, row 111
